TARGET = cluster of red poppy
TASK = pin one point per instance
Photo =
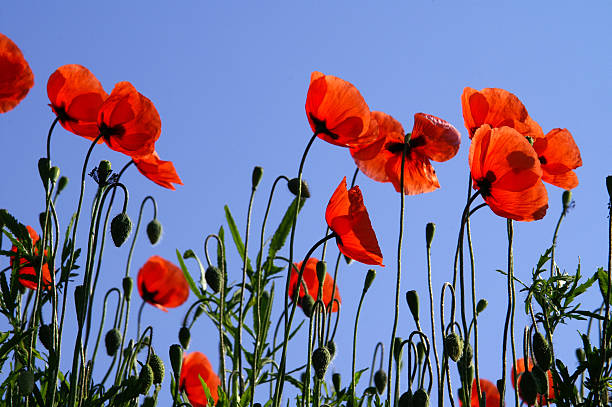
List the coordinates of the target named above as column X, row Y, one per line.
column 162, row 284
column 16, row 78
column 27, row 267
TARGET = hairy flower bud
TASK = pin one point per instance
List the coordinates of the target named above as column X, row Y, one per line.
column 121, row 226
column 332, row 348
column 103, row 171
column 405, row 399
column 61, row 184
column 112, row 340
column 25, row 382
column 430, row 231
column 566, row 199
column 307, row 303
column 45, row 336
column 321, row 269
column 158, row 367
column 214, row 278
column 528, row 388
column 145, row 379
column 481, row 306
column 453, row 346
column 294, row 184
column 54, row 173
column 184, row 337
column 541, row 351
column 380, row 380
column 154, row 231
column 420, row 398
column 337, row 382
column 79, row 303
column 397, row 349
column 580, row 355
column 609, row 186
column 176, row 358
column 148, row 402
column 44, row 166
column 256, row 177
column 465, row 361
column 369, row 279
column 412, row 298
column 320, row 361
column 541, row 379
column 127, row 283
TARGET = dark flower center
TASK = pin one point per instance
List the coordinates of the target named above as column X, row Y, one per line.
column 542, row 160
column 63, row 117
column 148, row 296
column 397, row 147
column 108, row 132
column 484, row 184
column 321, row 127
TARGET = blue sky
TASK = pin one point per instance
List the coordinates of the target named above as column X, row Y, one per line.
column 229, row 80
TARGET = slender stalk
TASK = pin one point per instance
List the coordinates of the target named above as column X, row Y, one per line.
column 363, row 293
column 114, row 289
column 440, row 385
column 604, row 344
column 475, row 318
column 554, row 242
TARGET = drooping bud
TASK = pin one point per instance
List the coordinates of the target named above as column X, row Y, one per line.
column 103, row 171
column 214, row 278
column 121, row 226
column 159, row 370
column 566, row 199
column 453, row 346
column 79, row 303
column 380, row 380
column 145, row 379
column 54, row 173
column 307, row 303
column 528, row 388
column 321, row 269
column 541, row 351
column 481, row 306
column 41, row 219
column 44, row 166
column 420, row 398
column 609, row 186
column 154, row 231
column 112, row 340
column 176, row 358
column 25, row 382
column 405, row 399
column 256, row 177
column 465, row 361
column 184, row 337
column 127, row 283
column 332, row 348
column 541, row 379
column 420, row 352
column 412, row 298
column 347, row 259
column 430, row 231
column 369, row 279
column 320, row 361
column 580, row 355
column 336, row 381
column 45, row 336
column 293, row 186
column 61, row 184
column 397, row 349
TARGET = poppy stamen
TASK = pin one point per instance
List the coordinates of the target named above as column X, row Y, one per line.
column 148, row 296
column 321, row 128
column 108, row 132
column 542, row 160
column 484, row 184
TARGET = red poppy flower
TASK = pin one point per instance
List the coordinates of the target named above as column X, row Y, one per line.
column 129, row 121
column 196, row 366
column 507, row 172
column 348, row 218
column 497, row 108
column 27, row 270
column 159, row 171
column 162, row 284
column 76, row 96
column 489, row 389
column 16, row 78
column 559, row 155
column 337, row 112
column 520, row 368
column 431, row 138
column 312, row 283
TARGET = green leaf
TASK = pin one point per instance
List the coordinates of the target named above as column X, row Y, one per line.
column 209, row 398
column 190, row 281
column 602, row 279
column 24, row 241
column 280, row 236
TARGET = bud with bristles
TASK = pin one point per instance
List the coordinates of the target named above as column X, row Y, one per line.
column 103, row 171
column 541, row 379
column 214, row 278
column 54, row 173
column 320, row 361
column 405, row 399
column 380, row 380
column 397, row 349
column 566, row 199
column 465, row 361
column 184, row 337
column 127, row 283
column 159, row 370
column 176, row 358
column 293, row 186
column 44, row 166
column 336, row 381
column 420, row 352
column 541, row 351
column 256, row 177
column 369, row 279
column 332, row 348
column 580, row 355
column 121, row 226
column 79, row 303
column 145, row 379
column 148, row 402
column 481, row 306
column 453, row 346
column 420, row 398
column 61, row 184
column 154, row 231
column 307, row 303
column 321, row 269
column 412, row 298
column 25, row 382
column 41, row 219
column 430, row 231
column 528, row 388
column 45, row 336
column 112, row 340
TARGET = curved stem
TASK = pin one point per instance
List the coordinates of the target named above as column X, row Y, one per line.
column 354, row 398
column 139, row 318
column 114, row 289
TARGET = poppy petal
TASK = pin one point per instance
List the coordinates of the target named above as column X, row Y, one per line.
column 559, row 155
column 488, row 389
column 311, row 280
column 435, row 138
column 159, row 171
column 528, row 205
column 196, row 365
column 162, row 284
column 419, row 174
column 16, row 78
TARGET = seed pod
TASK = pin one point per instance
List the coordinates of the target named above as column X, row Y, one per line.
column 214, row 278
column 127, row 283
column 154, row 231
column 103, row 171
column 148, row 402
column 412, row 298
column 256, row 177
column 320, row 361
column 380, row 380
column 293, row 185
column 481, row 306
column 184, row 337
column 430, row 231
column 369, row 279
column 420, row 398
column 332, row 349
column 541, row 351
column 121, row 226
column 307, row 303
column 453, row 346
column 45, row 336
column 61, row 184
column 176, row 358
column 159, row 370
column 528, row 388
column 145, row 379
column 112, row 340
column 405, row 399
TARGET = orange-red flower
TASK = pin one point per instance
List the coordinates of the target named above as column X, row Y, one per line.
column 76, row 96
column 520, row 368
column 162, row 284
column 489, row 389
column 27, row 270
column 559, row 155
column 129, row 122
column 16, row 78
column 347, row 217
column 312, row 283
column 507, row 172
column 196, row 366
column 497, row 108
column 431, row 138
column 337, row 112
column 159, row 171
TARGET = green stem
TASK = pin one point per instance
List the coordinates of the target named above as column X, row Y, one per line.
column 433, row 326
column 363, row 293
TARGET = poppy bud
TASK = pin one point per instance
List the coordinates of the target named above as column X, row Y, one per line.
column 257, row 405
column 453, row 346
column 213, row 278
column 121, row 226
column 45, row 336
column 184, row 337
column 293, row 186
column 609, row 186
column 420, row 352
column 25, row 382
column 465, row 361
column 145, row 379
column 159, row 370
column 61, row 184
column 369, row 279
column 420, row 398
column 482, row 304
column 336, row 381
column 321, row 270
column 112, row 340
column 430, row 231
column 148, row 402
column 307, row 303
column 541, row 379
column 128, row 349
column 154, row 231
column 405, row 399
column 566, row 199
column 256, row 177
column 103, row 171
column 541, row 351
column 380, row 380
column 580, row 354
column 41, row 220
column 79, row 303
column 176, row 358
column 332, row 348
column 54, row 173
column 528, row 388
column 412, row 298
column 397, row 349
column 43, row 170
column 320, row 361
column 127, row 287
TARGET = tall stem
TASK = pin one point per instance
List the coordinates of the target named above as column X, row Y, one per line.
column 433, row 327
